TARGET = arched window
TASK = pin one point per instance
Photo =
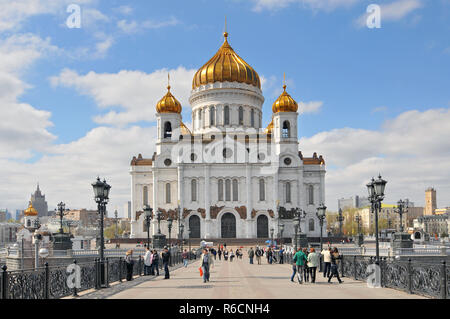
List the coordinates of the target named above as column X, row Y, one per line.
column 194, row 190
column 28, row 223
column 288, row 192
column 220, row 189
column 311, row 224
column 286, row 132
column 311, row 194
column 235, row 190
column 167, row 130
column 212, row 115
column 227, row 190
column 252, row 118
column 241, row 115
column 145, row 195
column 226, row 115
column 262, row 190
column 168, row 193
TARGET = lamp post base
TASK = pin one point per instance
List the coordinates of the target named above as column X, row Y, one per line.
column 359, row 240
column 159, row 241
column 302, row 240
column 401, row 240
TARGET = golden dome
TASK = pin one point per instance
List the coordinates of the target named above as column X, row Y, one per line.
column 30, row 211
column 269, row 128
column 168, row 104
column 284, row 103
column 224, row 66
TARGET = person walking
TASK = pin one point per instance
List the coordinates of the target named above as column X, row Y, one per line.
column 213, row 252
column 335, row 257
column 219, row 253
column 313, row 262
column 185, row 257
column 129, row 261
column 294, row 267
column 206, row 262
column 300, row 259
column 251, row 254
column 155, row 263
column 269, row 255
column 166, row 260
column 305, row 267
column 326, row 253
column 231, row 255
column 258, row 254
column 147, row 261
column 281, row 253
column 225, row 255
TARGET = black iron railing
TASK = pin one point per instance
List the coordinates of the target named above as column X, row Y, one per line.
column 52, row 282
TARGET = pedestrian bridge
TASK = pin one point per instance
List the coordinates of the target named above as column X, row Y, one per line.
column 241, row 280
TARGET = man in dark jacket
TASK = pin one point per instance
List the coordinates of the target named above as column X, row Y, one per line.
column 251, row 254
column 166, row 260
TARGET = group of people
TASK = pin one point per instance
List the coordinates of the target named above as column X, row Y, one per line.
column 272, row 255
column 151, row 262
column 227, row 253
column 306, row 263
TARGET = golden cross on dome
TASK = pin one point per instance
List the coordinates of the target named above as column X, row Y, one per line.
column 225, row 33
column 168, row 81
column 284, row 80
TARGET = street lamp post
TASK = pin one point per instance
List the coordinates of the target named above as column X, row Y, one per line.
column 189, row 239
column 101, row 195
column 148, row 211
column 402, row 208
column 271, row 236
column 321, row 211
column 281, row 234
column 169, row 226
column 340, row 219
column 375, row 189
column 401, row 239
column 296, row 225
column 158, row 217
column 181, row 236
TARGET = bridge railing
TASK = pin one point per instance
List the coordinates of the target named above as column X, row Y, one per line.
column 52, row 282
column 414, row 277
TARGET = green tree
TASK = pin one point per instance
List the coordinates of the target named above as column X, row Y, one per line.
column 110, row 232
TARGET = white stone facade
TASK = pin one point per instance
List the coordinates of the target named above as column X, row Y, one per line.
column 235, row 176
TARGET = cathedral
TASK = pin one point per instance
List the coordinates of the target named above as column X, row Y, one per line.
column 227, row 177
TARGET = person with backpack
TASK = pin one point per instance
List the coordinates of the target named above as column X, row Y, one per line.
column 335, row 257
column 313, row 263
column 185, row 257
column 251, row 254
column 258, row 254
column 129, row 262
column 300, row 260
column 166, row 260
column 326, row 253
column 155, row 263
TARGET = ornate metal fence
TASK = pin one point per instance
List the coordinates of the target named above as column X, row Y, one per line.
column 415, row 277
column 53, row 282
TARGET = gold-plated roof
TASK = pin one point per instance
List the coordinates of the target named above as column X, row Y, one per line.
column 269, row 128
column 168, row 104
column 30, row 211
column 224, row 66
column 284, row 103
column 184, row 129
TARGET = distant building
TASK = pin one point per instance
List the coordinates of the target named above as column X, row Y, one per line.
column 19, row 213
column 442, row 211
column 2, row 216
column 387, row 212
column 434, row 224
column 39, row 203
column 8, row 233
column 413, row 213
column 430, row 201
column 127, row 210
column 87, row 218
column 353, row 202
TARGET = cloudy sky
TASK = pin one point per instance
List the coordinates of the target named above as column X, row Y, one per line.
column 79, row 102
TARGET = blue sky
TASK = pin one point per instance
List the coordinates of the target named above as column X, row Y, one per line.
column 357, row 85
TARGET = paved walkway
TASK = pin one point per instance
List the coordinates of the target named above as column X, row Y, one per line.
column 240, row 280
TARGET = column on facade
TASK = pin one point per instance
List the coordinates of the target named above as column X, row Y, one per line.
column 207, row 201
column 154, row 226
column 248, row 183
column 181, row 194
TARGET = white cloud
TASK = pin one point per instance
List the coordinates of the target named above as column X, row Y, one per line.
column 325, row 5
column 309, row 107
column 412, row 151
column 134, row 26
column 23, row 128
column 135, row 92
column 394, row 11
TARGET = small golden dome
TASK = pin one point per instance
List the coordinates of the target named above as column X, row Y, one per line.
column 284, row 103
column 30, row 211
column 269, row 128
column 226, row 66
column 168, row 104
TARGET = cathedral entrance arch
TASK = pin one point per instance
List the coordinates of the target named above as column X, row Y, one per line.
column 262, row 227
column 228, row 226
column 194, row 226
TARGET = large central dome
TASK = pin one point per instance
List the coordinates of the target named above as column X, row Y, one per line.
column 226, row 66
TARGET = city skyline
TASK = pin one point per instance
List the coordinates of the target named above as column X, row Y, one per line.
column 81, row 102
